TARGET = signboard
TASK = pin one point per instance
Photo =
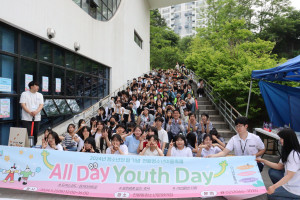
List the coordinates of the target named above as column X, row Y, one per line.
column 45, row 84
column 57, row 85
column 120, row 176
column 18, row 137
column 28, row 79
column 5, row 84
column 4, row 108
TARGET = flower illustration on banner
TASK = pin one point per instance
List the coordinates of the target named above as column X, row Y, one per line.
column 21, row 152
column 6, row 158
column 30, row 156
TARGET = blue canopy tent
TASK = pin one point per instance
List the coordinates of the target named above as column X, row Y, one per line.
column 282, row 102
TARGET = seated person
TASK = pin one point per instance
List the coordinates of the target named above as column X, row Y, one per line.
column 180, row 148
column 152, row 148
column 162, row 134
column 285, row 175
column 83, row 135
column 52, row 142
column 89, row 146
column 132, row 141
column 102, row 139
column 206, row 125
column 190, row 102
column 192, row 125
column 243, row 143
column 145, row 118
column 117, row 146
column 192, row 142
column 175, row 125
column 217, row 139
column 207, row 147
column 69, row 143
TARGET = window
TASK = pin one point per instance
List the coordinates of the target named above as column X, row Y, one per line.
column 70, row 83
column 28, row 46
column 58, row 81
column 8, row 75
column 138, row 40
column 62, row 106
column 45, row 52
column 28, row 69
column 50, row 108
column 73, row 105
column 45, row 79
column 102, row 10
column 8, row 40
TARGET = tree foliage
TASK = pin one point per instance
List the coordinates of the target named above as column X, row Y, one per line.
column 164, row 51
column 226, row 58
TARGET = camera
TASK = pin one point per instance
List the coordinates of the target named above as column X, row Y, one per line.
column 76, row 46
column 50, row 33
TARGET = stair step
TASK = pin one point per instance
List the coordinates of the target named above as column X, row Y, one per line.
column 220, row 125
column 215, row 117
column 226, row 133
column 209, row 112
column 202, row 99
column 204, row 103
column 206, row 107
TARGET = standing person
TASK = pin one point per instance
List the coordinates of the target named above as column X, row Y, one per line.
column 32, row 103
column 200, row 88
column 285, row 175
column 244, row 143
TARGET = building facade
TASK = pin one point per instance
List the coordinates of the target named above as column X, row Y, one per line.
column 78, row 50
column 184, row 18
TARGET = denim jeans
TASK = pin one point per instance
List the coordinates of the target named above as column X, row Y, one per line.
column 280, row 193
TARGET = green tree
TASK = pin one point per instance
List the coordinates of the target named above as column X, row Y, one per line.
column 285, row 31
column 164, row 51
column 226, row 59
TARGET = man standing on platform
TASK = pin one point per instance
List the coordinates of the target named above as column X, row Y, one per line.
column 32, row 103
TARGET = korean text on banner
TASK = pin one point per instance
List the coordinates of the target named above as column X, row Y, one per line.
column 117, row 176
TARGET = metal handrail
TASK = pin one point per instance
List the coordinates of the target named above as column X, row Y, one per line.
column 225, row 108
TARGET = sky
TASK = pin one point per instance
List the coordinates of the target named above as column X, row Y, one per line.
column 296, row 4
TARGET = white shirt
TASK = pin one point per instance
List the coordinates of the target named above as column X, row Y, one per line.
column 148, row 152
column 185, row 152
column 163, row 136
column 97, row 140
column 247, row 147
column 32, row 102
column 123, row 148
column 58, row 147
column 212, row 150
column 293, row 164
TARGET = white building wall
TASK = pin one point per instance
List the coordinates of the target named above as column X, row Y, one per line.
column 110, row 43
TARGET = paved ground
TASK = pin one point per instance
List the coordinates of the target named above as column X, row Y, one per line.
column 25, row 195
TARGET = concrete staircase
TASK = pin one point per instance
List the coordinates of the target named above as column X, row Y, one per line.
column 205, row 106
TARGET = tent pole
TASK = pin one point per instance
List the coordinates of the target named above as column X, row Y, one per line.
column 249, row 98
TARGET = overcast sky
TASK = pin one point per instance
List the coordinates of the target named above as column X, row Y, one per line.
column 296, row 4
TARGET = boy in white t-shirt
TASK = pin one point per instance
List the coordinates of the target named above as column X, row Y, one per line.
column 32, row 103
column 244, row 143
column 162, row 134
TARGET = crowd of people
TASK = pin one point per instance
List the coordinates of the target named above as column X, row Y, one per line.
column 156, row 116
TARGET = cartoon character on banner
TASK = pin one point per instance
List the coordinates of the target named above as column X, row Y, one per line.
column 11, row 174
column 26, row 173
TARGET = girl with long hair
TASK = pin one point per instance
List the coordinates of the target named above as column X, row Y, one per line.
column 285, row 175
